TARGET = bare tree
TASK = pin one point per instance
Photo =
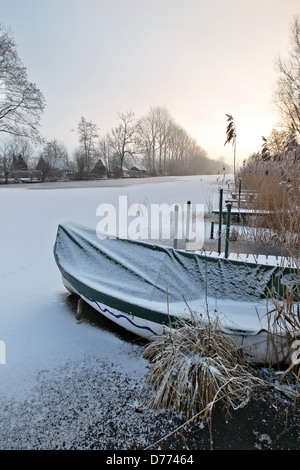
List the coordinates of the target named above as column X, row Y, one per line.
column 168, row 146
column 122, row 138
column 56, row 150
column 147, row 140
column 79, row 160
column 25, row 150
column 53, row 161
column 180, row 142
column 287, row 94
column 163, row 124
column 14, row 155
column 154, row 130
column 276, row 141
column 6, row 160
column 88, row 133
column 21, row 102
column 106, row 152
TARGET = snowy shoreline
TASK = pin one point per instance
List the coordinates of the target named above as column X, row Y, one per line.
column 91, row 183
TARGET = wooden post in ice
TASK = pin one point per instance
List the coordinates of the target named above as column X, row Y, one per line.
column 240, row 189
column 176, row 226
column 220, row 220
column 212, row 230
column 227, row 230
column 188, row 221
column 79, row 309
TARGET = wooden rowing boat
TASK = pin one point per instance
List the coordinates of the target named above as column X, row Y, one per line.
column 147, row 288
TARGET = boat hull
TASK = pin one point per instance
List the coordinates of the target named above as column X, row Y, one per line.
column 146, row 288
column 139, row 326
column 258, row 348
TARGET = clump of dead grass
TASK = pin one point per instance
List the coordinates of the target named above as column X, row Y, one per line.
column 196, row 366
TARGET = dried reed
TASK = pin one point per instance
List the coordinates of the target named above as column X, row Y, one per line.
column 279, row 198
column 275, row 184
column 195, row 367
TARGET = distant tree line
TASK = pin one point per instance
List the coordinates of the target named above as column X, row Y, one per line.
column 155, row 142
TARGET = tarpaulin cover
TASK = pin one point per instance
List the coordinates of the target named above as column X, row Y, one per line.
column 149, row 280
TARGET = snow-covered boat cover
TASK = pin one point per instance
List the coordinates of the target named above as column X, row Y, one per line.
column 150, row 281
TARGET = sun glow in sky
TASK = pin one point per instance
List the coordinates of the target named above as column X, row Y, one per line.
column 198, row 59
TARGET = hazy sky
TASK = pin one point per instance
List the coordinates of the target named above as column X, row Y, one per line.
column 199, row 59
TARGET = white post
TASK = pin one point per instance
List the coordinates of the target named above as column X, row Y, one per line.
column 176, row 226
column 188, row 222
column 2, row 352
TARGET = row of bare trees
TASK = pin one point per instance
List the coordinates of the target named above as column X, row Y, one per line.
column 155, row 141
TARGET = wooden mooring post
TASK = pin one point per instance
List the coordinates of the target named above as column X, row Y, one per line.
column 227, row 229
column 220, row 221
column 176, row 208
column 79, row 309
column 188, row 224
column 212, row 230
column 240, row 190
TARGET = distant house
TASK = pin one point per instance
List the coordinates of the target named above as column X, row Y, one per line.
column 19, row 170
column 99, row 170
column 137, row 171
column 27, row 176
column 19, row 163
column 52, row 168
column 125, row 172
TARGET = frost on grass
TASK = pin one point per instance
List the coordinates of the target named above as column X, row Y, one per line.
column 195, row 367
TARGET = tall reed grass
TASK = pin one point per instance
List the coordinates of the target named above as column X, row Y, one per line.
column 278, row 194
column 275, row 188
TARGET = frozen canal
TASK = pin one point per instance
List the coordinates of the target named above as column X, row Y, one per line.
column 65, row 384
